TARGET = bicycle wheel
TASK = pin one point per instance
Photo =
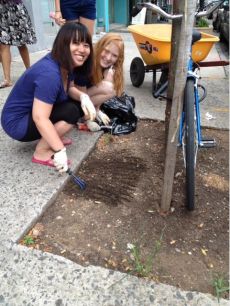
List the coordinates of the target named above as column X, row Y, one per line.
column 137, row 72
column 190, row 147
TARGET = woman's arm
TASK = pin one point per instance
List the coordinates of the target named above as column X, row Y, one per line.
column 75, row 91
column 79, row 94
column 41, row 112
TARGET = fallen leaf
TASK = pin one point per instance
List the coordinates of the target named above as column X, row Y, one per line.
column 35, row 232
column 204, row 252
column 128, row 268
column 210, row 265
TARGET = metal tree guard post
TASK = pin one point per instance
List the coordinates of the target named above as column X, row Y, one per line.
column 181, row 42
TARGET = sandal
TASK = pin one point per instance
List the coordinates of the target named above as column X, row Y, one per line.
column 66, row 141
column 5, row 84
column 48, row 162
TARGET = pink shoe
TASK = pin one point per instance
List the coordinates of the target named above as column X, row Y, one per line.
column 66, row 141
column 48, row 162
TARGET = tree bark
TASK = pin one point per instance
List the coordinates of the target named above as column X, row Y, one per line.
column 181, row 45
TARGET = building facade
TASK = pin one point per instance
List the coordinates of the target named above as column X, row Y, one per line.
column 111, row 12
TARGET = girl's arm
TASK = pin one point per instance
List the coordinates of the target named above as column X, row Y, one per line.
column 104, row 90
column 57, row 6
column 41, row 112
column 58, row 15
column 101, row 93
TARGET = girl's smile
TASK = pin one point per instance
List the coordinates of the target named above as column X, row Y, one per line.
column 109, row 55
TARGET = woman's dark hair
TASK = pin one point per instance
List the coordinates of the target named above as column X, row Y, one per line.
column 72, row 32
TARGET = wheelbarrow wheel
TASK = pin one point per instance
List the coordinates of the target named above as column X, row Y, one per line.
column 137, row 72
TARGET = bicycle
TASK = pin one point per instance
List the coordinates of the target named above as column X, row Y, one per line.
column 190, row 134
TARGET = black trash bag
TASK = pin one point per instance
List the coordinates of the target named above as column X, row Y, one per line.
column 116, row 127
column 121, row 113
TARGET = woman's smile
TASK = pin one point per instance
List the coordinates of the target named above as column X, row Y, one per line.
column 79, row 52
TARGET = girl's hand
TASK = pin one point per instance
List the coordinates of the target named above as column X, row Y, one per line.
column 58, row 19
column 109, row 74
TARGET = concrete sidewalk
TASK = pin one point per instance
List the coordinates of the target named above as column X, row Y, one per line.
column 31, row 277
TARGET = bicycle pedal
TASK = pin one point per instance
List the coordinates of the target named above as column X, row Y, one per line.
column 208, row 143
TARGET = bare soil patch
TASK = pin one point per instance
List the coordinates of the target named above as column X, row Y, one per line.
column 120, row 207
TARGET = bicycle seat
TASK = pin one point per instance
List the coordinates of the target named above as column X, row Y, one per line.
column 196, row 35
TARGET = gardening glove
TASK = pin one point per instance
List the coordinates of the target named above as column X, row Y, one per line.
column 87, row 107
column 102, row 117
column 60, row 160
column 93, row 126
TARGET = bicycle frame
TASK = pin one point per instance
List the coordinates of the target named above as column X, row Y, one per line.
column 192, row 75
column 200, row 141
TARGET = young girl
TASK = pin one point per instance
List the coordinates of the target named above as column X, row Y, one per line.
column 108, row 79
column 38, row 107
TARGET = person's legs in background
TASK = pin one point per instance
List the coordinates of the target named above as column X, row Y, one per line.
column 6, row 63
column 89, row 23
column 23, row 50
column 85, row 13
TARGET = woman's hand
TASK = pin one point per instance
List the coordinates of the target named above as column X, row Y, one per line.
column 60, row 160
column 58, row 18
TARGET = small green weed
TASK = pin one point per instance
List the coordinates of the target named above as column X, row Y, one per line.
column 108, row 138
column 28, row 240
column 202, row 23
column 220, row 284
column 143, row 267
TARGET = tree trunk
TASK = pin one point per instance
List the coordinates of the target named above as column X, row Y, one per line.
column 181, row 45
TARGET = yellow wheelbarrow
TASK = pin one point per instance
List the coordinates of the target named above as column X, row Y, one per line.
column 154, row 44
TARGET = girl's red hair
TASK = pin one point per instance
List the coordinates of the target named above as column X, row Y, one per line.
column 118, row 66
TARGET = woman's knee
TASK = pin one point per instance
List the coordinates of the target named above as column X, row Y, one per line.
column 73, row 113
column 70, row 112
column 108, row 90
